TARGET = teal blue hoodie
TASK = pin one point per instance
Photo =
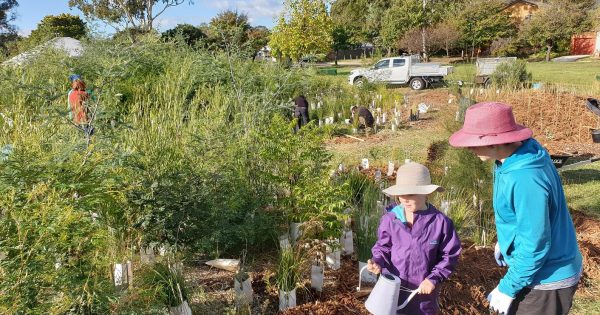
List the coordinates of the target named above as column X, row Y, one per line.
column 535, row 230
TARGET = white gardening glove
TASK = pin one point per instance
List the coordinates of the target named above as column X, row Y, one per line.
column 498, row 255
column 499, row 302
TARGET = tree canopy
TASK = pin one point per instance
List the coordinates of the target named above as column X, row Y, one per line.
column 304, row 27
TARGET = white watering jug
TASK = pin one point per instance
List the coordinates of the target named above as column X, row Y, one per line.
column 383, row 299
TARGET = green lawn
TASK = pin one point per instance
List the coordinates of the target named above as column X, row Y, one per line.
column 568, row 73
column 581, row 73
column 582, row 187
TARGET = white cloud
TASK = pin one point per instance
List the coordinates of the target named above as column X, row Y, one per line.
column 24, row 32
column 256, row 9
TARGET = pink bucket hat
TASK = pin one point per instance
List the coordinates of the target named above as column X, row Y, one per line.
column 489, row 124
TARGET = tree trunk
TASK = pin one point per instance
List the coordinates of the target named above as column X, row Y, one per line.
column 423, row 36
column 336, row 57
column 424, row 42
column 389, row 51
column 549, row 49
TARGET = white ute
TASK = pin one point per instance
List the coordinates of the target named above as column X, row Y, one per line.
column 401, row 70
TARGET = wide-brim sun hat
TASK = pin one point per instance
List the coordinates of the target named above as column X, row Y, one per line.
column 412, row 179
column 489, row 123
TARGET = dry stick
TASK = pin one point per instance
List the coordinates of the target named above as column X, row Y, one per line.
column 355, row 138
column 529, row 96
column 556, row 107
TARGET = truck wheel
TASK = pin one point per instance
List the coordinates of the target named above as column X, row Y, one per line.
column 360, row 81
column 417, row 84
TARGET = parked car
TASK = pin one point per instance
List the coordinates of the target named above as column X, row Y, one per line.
column 401, row 70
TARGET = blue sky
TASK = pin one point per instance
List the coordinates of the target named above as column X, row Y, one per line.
column 260, row 12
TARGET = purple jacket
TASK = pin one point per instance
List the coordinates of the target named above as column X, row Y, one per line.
column 429, row 249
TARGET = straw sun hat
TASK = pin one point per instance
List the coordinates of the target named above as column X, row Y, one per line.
column 412, row 179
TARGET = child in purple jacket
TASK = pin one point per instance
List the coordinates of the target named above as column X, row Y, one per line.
column 416, row 242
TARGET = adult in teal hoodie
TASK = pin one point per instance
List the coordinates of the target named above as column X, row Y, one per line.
column 536, row 236
column 535, row 230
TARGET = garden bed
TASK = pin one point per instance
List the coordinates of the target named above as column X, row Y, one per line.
column 464, row 293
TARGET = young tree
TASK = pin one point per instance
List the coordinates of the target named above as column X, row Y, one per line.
column 136, row 14
column 394, row 24
column 190, row 33
column 304, row 27
column 352, row 16
column 6, row 16
column 483, row 21
column 229, row 29
column 7, row 30
column 258, row 38
column 341, row 40
column 554, row 25
column 62, row 25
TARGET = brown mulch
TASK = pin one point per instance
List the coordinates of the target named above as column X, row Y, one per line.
column 464, row 293
column 559, row 120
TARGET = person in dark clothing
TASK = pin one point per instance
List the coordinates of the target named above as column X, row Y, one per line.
column 364, row 116
column 301, row 112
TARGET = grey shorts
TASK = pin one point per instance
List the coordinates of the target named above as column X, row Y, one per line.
column 546, row 302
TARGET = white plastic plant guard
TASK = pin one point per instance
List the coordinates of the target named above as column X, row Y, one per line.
column 316, row 277
column 377, row 175
column 120, row 273
column 348, row 243
column 284, row 242
column 287, row 299
column 390, row 170
column 378, row 121
column 182, row 309
column 394, row 126
column 367, row 277
column 295, row 232
column 445, row 206
column 365, row 163
column 320, row 122
column 347, row 121
column 383, row 118
column 243, row 292
column 341, row 167
column 147, row 254
column 333, row 258
column 423, row 108
column 383, row 299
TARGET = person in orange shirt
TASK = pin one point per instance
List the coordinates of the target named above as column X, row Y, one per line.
column 77, row 108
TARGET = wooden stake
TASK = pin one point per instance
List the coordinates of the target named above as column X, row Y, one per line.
column 355, row 138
